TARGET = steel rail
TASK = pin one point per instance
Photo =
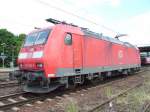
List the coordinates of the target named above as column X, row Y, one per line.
column 113, row 98
column 34, row 98
column 121, row 93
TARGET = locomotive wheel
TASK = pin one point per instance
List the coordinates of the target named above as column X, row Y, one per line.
column 71, row 83
column 82, row 80
column 131, row 72
column 72, row 86
column 62, row 88
column 95, row 81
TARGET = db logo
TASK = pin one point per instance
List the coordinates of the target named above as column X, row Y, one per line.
column 120, row 54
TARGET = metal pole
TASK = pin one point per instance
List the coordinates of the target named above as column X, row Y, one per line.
column 3, row 49
column 3, row 59
column 3, row 54
column 3, row 44
column 3, row 62
column 12, row 57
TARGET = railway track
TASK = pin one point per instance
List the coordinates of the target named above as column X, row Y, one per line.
column 109, row 101
column 8, row 84
column 146, row 108
column 124, row 79
column 14, row 100
column 9, row 101
column 114, row 97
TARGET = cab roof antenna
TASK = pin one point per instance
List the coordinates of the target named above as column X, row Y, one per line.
column 120, row 35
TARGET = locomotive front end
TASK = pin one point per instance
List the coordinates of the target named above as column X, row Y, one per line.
column 31, row 63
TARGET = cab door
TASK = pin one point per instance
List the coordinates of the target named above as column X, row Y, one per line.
column 77, row 53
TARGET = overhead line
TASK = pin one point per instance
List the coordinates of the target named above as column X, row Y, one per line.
column 70, row 13
column 62, row 10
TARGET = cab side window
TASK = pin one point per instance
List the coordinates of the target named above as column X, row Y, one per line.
column 68, row 39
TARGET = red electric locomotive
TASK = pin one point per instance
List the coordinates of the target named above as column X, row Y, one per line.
column 145, row 58
column 66, row 55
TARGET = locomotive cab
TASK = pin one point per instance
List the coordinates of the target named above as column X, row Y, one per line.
column 46, row 54
column 31, row 62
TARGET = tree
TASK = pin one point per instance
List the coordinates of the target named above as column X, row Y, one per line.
column 11, row 44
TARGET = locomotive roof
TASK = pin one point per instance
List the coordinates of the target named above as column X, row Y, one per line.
column 87, row 32
column 40, row 29
column 100, row 36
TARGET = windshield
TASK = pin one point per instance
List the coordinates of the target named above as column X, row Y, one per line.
column 145, row 54
column 37, row 38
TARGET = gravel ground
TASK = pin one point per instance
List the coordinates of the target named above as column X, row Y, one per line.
column 10, row 90
column 83, row 100
column 135, row 100
column 4, row 76
column 7, row 90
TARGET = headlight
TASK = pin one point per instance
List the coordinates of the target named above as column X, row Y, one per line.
column 37, row 54
column 39, row 65
column 22, row 55
column 20, row 65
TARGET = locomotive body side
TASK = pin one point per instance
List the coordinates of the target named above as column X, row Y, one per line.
column 101, row 56
column 58, row 55
column 94, row 55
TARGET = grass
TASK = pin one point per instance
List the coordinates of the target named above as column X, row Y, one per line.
column 108, row 92
column 121, row 100
column 136, row 99
column 71, row 107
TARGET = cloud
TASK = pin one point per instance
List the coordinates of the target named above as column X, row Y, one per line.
column 138, row 28
column 91, row 3
column 115, row 3
column 22, row 16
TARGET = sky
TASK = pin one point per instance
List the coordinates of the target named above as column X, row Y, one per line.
column 110, row 17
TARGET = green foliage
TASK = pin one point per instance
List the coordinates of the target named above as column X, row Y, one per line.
column 72, row 107
column 12, row 45
column 137, row 99
column 108, row 91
